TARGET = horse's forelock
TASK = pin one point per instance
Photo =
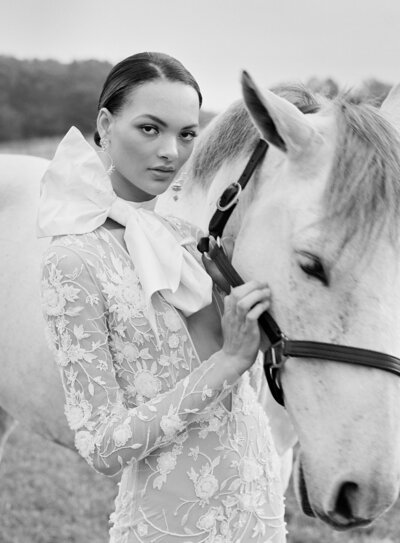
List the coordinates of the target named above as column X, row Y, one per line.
column 363, row 192
column 232, row 134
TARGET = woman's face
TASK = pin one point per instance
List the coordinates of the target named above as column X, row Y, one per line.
column 151, row 137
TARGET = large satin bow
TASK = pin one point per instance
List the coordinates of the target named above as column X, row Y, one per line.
column 77, row 197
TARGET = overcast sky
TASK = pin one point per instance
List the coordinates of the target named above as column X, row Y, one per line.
column 275, row 40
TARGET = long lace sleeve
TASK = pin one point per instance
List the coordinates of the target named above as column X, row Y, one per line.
column 109, row 432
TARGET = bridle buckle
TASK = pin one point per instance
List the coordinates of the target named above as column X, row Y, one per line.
column 274, row 359
column 233, row 201
column 277, row 355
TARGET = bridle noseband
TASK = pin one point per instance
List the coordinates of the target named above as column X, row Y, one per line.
column 281, row 347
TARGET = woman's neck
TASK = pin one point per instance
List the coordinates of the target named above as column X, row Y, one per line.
column 127, row 190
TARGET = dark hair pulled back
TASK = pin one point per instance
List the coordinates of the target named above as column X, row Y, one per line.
column 135, row 70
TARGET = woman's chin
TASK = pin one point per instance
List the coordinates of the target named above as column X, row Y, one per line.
column 159, row 189
column 155, row 187
column 148, row 188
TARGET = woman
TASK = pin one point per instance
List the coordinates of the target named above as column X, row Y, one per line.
column 156, row 387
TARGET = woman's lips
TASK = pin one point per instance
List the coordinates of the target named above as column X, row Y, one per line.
column 162, row 173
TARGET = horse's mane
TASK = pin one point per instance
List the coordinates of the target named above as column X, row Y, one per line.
column 363, row 190
column 232, row 134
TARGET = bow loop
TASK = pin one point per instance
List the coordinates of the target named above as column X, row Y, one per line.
column 75, row 192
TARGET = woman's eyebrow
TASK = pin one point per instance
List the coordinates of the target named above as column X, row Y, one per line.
column 155, row 119
column 163, row 123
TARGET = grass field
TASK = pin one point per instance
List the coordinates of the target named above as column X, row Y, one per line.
column 48, row 495
column 42, row 147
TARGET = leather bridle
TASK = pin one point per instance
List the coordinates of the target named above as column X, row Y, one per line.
column 281, row 347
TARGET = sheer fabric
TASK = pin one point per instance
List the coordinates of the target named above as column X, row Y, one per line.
column 190, row 437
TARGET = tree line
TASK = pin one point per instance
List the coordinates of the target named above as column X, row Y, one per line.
column 41, row 98
column 371, row 90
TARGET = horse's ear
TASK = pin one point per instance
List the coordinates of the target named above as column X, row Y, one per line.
column 390, row 108
column 280, row 122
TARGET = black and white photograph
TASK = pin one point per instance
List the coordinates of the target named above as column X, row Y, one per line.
column 200, row 271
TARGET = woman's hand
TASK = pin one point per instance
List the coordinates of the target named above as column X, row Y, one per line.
column 241, row 332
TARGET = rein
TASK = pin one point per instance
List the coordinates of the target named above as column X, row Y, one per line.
column 281, row 347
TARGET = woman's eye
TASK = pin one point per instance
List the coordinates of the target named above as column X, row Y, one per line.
column 149, row 129
column 313, row 267
column 188, row 136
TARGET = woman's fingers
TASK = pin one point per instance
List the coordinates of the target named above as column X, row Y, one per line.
column 238, row 293
column 241, row 291
column 255, row 297
column 255, row 313
column 240, row 327
column 243, row 298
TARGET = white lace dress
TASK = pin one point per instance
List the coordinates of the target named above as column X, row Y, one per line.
column 194, row 444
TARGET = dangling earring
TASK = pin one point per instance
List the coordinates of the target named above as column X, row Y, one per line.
column 105, row 145
column 177, row 186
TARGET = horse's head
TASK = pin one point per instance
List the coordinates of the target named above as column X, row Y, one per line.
column 324, row 230
column 321, row 224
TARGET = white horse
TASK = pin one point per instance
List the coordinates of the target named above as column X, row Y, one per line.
column 320, row 222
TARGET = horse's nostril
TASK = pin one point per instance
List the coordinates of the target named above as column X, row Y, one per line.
column 345, row 500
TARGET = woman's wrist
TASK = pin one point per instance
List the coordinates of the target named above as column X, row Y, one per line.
column 234, row 364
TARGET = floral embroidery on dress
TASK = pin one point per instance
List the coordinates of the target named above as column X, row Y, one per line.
column 192, row 470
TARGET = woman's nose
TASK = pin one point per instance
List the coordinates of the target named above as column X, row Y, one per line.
column 168, row 149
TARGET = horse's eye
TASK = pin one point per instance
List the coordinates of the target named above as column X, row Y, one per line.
column 312, row 266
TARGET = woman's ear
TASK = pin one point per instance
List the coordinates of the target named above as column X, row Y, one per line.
column 104, row 120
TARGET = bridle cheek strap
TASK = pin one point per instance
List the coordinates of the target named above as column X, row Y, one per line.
column 230, row 197
column 281, row 348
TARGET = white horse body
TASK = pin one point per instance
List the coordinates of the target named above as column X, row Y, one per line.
column 30, row 386
column 347, row 418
